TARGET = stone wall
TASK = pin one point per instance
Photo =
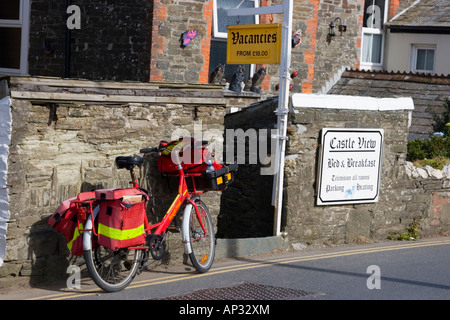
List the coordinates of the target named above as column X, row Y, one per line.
column 139, row 40
column 170, row 61
column 112, row 44
column 320, row 57
column 428, row 92
column 65, row 135
column 403, row 198
column 248, row 212
column 65, row 140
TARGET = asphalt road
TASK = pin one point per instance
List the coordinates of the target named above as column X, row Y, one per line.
column 416, row 270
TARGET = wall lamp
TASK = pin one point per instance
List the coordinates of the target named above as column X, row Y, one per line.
column 341, row 27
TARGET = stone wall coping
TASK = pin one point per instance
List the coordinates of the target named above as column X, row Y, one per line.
column 427, row 171
column 397, row 76
column 57, row 90
column 325, row 101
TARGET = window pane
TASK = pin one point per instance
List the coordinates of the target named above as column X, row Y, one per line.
column 425, row 59
column 223, row 20
column 429, row 61
column 374, row 14
column 10, row 47
column 420, row 65
column 218, row 55
column 371, row 48
column 10, row 9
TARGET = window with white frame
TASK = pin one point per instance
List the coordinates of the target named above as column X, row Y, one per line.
column 375, row 14
column 218, row 51
column 422, row 58
column 14, row 28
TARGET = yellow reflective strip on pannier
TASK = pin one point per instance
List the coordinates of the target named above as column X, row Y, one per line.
column 181, row 144
column 76, row 234
column 219, row 180
column 118, row 234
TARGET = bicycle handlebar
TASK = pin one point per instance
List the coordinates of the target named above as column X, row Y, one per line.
column 148, row 150
column 157, row 149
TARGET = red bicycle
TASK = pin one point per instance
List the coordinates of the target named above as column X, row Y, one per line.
column 117, row 237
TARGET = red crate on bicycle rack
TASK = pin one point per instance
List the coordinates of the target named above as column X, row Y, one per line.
column 192, row 153
column 217, row 179
column 203, row 172
column 68, row 221
column 121, row 217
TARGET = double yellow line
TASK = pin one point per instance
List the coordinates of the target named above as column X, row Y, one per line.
column 253, row 265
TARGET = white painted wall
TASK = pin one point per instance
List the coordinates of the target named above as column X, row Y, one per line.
column 5, row 140
column 399, row 48
column 332, row 101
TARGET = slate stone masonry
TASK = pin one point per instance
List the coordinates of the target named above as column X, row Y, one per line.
column 404, row 197
column 62, row 147
column 427, row 91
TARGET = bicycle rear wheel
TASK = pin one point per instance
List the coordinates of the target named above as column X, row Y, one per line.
column 201, row 237
column 112, row 270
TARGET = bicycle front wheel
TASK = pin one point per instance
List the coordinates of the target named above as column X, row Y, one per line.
column 112, row 270
column 201, row 237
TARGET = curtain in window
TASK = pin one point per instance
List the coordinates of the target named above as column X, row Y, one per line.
column 425, row 59
column 223, row 20
column 218, row 50
column 372, row 48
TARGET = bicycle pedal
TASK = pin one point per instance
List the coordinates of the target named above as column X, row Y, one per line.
column 174, row 229
column 149, row 237
column 144, row 262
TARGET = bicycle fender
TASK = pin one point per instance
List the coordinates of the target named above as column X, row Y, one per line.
column 87, row 235
column 185, row 226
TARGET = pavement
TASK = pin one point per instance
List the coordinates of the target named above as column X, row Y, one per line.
column 253, row 256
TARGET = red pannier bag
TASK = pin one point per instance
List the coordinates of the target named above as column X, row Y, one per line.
column 193, row 155
column 67, row 221
column 121, row 217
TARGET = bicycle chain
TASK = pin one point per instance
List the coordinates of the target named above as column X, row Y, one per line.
column 157, row 246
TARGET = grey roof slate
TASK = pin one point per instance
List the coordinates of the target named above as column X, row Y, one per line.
column 424, row 14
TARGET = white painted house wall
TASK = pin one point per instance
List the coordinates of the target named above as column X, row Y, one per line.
column 399, row 48
column 5, row 140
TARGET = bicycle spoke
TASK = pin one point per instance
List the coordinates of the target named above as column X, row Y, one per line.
column 201, row 238
column 112, row 270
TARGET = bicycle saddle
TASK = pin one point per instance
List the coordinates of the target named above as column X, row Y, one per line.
column 129, row 162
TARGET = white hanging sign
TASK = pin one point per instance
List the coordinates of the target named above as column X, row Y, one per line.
column 350, row 166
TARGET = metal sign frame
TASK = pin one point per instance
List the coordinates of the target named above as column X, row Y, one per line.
column 286, row 9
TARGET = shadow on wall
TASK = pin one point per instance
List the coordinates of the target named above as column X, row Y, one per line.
column 48, row 255
column 246, row 210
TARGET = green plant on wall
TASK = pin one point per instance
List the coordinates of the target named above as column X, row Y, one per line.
column 434, row 147
column 441, row 120
column 411, row 233
column 436, row 150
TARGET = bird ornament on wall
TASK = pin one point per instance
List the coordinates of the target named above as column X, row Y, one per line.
column 257, row 79
column 217, row 75
column 237, row 79
column 296, row 38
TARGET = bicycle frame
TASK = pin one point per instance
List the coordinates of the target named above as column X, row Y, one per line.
column 183, row 196
column 121, row 268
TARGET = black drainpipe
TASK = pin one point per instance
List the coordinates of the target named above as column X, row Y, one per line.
column 67, row 63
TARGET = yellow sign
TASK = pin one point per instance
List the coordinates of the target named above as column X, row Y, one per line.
column 254, row 44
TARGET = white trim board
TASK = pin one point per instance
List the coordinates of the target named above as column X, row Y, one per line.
column 330, row 101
